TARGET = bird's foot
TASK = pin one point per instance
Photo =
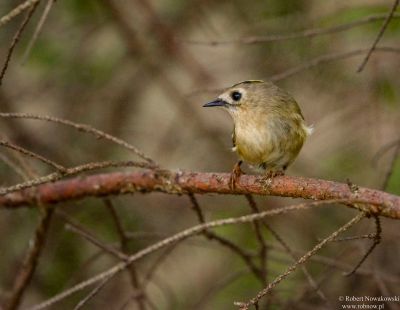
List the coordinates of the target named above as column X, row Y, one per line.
column 235, row 175
column 274, row 173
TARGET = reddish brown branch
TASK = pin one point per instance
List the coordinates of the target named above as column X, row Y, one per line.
column 196, row 182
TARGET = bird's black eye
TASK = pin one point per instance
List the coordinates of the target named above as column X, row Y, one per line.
column 236, row 95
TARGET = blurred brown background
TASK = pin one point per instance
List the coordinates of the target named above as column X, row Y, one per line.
column 141, row 70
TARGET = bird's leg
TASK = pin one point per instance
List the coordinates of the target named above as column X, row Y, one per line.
column 235, row 174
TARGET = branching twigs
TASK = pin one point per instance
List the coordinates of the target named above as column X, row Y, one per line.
column 172, row 240
column 16, row 38
column 380, row 34
column 373, row 201
column 81, row 127
column 247, row 257
column 329, row 58
column 258, row 231
column 121, row 255
column 140, row 294
column 292, row 254
column 26, row 152
column 332, row 262
column 326, row 58
column 28, row 267
column 309, row 33
column 302, row 260
column 18, row 10
column 376, row 241
column 78, row 229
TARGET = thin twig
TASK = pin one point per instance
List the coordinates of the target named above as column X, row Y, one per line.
column 75, row 227
column 351, row 238
column 258, row 230
column 302, row 260
column 39, row 27
column 246, row 257
column 141, row 296
column 93, row 293
column 26, row 152
column 328, row 58
column 171, row 240
column 291, row 253
column 308, row 33
column 379, row 36
column 327, row 261
column 16, row 38
column 18, row 10
column 376, row 241
column 25, row 273
column 81, row 127
column 389, row 172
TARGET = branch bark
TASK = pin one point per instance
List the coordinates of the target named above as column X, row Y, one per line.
column 183, row 182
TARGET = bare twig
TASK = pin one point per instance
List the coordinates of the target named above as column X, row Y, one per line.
column 327, row 261
column 308, row 33
column 172, row 240
column 140, row 295
column 377, row 240
column 379, row 36
column 18, row 10
column 351, row 238
column 247, row 257
column 93, row 293
column 16, row 38
column 31, row 259
column 302, row 260
column 81, row 127
column 39, row 27
column 75, row 227
column 258, row 230
column 292, row 254
column 389, row 172
column 26, row 152
column 328, row 58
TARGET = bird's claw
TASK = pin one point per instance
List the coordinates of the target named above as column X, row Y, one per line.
column 272, row 174
column 235, row 175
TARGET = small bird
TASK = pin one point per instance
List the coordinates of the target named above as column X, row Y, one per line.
column 269, row 128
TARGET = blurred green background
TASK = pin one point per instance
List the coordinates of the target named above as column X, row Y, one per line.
column 141, row 70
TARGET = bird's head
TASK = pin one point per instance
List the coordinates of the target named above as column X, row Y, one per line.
column 253, row 97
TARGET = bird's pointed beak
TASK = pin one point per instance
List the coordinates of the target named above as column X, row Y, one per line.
column 216, row 103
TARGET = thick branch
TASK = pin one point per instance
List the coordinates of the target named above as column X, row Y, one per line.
column 196, row 182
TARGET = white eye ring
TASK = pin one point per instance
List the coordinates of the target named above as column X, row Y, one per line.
column 236, row 96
